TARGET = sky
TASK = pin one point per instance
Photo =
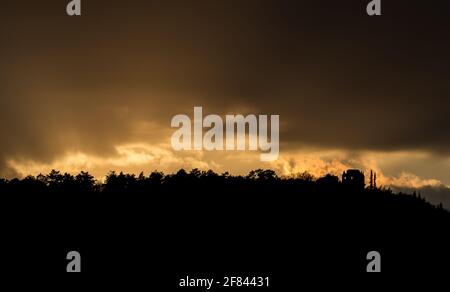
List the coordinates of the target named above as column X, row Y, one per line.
column 98, row 92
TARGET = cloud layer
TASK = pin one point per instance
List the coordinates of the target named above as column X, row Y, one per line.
column 99, row 91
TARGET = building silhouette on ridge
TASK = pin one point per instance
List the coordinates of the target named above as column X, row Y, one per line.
column 353, row 178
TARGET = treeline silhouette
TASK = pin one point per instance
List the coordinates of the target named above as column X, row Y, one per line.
column 302, row 194
column 198, row 182
column 201, row 219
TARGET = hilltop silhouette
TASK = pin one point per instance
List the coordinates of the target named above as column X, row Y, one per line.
column 208, row 183
column 204, row 220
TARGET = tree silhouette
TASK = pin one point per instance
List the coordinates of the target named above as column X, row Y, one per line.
column 244, row 209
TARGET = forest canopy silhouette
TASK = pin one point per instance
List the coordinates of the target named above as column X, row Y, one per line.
column 259, row 182
column 299, row 216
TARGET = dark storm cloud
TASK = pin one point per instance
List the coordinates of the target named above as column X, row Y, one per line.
column 338, row 78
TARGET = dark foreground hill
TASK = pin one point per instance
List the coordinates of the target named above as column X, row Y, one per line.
column 164, row 226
